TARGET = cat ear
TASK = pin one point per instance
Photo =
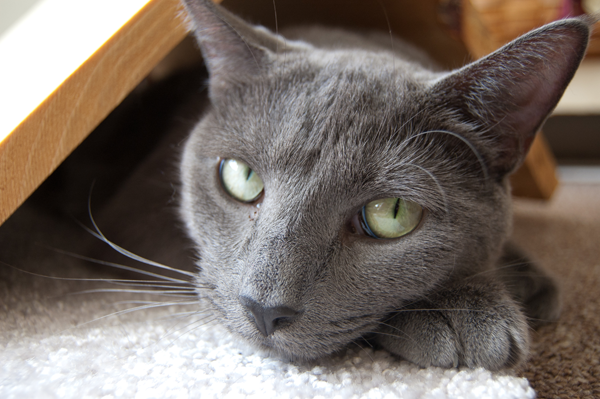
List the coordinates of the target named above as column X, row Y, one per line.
column 232, row 49
column 509, row 94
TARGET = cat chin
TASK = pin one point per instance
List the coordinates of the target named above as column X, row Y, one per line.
column 294, row 346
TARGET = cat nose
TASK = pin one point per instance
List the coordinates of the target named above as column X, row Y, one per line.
column 268, row 320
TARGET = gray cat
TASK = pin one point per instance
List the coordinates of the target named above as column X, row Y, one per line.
column 339, row 189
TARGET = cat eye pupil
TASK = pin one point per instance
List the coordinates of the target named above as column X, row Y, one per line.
column 240, row 181
column 396, row 207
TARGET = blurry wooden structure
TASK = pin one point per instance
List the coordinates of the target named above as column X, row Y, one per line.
column 487, row 25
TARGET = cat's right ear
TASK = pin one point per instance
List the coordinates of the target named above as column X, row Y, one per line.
column 232, row 49
column 509, row 94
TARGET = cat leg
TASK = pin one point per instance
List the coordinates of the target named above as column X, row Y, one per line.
column 529, row 285
column 473, row 323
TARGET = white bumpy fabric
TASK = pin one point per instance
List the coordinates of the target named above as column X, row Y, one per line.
column 165, row 357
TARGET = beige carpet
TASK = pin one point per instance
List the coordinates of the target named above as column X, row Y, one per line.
column 564, row 235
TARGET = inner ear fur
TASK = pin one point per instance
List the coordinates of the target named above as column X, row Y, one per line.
column 233, row 50
column 508, row 94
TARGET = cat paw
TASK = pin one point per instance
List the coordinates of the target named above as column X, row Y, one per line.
column 421, row 337
column 479, row 330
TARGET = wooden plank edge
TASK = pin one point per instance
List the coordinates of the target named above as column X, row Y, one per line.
column 61, row 122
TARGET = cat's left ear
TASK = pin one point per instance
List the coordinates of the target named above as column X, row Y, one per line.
column 509, row 94
column 232, row 49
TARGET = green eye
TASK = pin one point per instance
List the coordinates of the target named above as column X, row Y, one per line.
column 240, row 181
column 390, row 217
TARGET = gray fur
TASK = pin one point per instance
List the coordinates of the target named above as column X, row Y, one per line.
column 329, row 129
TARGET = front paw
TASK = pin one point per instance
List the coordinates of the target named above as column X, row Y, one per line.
column 472, row 326
column 423, row 337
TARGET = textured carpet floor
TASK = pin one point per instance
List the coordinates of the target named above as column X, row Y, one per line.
column 565, row 236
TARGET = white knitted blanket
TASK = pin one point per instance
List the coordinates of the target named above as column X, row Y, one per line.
column 165, row 354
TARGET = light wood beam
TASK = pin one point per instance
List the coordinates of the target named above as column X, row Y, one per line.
column 42, row 122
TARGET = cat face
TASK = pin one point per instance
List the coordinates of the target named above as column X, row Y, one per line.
column 294, row 267
column 321, row 158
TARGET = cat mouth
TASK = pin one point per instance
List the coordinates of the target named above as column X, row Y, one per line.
column 301, row 340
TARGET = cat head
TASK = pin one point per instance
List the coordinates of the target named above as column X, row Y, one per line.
column 287, row 177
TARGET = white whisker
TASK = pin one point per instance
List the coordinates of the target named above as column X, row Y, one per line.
column 191, row 329
column 98, row 234
column 464, row 140
column 364, row 350
column 437, row 183
column 126, row 311
column 141, row 302
column 181, row 315
column 389, row 25
column 121, row 267
column 441, row 310
column 146, row 284
column 134, row 291
column 393, row 335
column 276, row 27
column 397, row 131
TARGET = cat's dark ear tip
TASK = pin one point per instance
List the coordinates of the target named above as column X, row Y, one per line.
column 583, row 23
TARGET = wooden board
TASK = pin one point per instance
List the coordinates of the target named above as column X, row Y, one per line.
column 42, row 122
